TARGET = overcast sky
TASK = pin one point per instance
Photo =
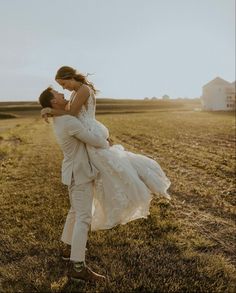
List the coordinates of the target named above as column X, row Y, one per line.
column 135, row 48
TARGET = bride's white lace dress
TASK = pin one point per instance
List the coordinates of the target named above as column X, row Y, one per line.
column 126, row 181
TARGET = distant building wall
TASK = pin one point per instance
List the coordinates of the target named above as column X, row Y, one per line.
column 218, row 95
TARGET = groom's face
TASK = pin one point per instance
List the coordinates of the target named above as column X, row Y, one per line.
column 58, row 100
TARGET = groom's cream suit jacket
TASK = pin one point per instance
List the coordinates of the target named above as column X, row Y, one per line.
column 72, row 136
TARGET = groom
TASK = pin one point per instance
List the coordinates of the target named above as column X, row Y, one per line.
column 78, row 173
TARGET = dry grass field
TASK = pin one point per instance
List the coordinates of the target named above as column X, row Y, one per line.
column 186, row 245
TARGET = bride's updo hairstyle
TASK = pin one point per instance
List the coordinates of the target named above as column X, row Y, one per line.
column 67, row 72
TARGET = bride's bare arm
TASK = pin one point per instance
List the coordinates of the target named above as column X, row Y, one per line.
column 79, row 100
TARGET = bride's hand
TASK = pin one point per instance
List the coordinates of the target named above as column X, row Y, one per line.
column 47, row 110
column 110, row 141
column 45, row 113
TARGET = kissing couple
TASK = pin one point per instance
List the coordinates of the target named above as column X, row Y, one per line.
column 108, row 185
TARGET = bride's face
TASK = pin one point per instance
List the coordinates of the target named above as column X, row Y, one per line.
column 67, row 84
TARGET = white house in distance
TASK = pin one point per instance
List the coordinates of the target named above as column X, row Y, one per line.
column 218, row 94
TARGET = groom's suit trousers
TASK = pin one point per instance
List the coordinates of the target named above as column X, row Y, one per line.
column 75, row 232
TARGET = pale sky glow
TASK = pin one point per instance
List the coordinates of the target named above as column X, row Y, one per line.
column 136, row 48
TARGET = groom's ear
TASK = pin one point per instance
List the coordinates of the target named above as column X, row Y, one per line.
column 53, row 101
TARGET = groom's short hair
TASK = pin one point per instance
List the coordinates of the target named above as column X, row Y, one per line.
column 46, row 97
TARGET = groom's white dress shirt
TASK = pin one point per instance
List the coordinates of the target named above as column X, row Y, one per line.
column 72, row 136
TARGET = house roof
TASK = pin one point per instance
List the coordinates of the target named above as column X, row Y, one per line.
column 218, row 81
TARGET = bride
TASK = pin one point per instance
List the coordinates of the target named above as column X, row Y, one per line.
column 126, row 181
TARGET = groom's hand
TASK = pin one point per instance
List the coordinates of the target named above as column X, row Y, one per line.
column 110, row 141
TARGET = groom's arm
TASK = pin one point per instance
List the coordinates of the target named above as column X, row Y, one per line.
column 76, row 129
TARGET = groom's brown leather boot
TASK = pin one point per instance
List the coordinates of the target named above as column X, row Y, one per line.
column 86, row 274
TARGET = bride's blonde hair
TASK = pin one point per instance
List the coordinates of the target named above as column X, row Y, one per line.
column 67, row 72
